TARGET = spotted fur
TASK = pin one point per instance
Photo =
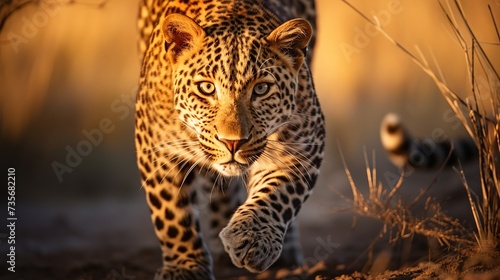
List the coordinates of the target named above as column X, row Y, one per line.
column 227, row 107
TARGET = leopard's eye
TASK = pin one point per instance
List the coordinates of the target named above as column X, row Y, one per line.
column 206, row 88
column 261, row 89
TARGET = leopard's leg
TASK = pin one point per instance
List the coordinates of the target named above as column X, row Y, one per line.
column 278, row 186
column 175, row 220
column 255, row 234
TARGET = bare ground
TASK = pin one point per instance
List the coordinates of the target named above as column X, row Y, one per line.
column 112, row 239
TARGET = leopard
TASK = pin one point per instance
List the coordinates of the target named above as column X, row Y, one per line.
column 229, row 131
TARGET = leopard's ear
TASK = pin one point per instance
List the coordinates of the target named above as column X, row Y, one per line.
column 291, row 39
column 181, row 34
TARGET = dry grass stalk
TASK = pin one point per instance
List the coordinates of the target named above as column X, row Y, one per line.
column 482, row 121
column 398, row 218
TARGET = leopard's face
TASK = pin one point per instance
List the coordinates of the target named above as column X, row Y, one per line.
column 233, row 102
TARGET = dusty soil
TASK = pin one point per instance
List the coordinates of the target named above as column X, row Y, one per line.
column 113, row 239
column 142, row 265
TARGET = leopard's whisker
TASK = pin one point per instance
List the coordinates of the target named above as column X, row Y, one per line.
column 166, row 144
column 303, row 161
column 177, row 155
column 295, row 153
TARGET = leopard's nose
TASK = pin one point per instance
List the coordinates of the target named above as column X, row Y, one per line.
column 233, row 145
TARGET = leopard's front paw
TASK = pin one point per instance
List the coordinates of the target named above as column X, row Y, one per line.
column 250, row 245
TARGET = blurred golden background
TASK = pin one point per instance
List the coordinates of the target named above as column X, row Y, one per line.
column 69, row 72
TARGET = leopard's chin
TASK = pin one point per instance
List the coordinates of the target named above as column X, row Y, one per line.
column 231, row 169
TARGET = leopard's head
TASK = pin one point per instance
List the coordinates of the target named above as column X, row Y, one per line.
column 235, row 84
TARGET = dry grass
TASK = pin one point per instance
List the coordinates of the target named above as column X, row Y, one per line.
column 398, row 216
column 480, row 115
